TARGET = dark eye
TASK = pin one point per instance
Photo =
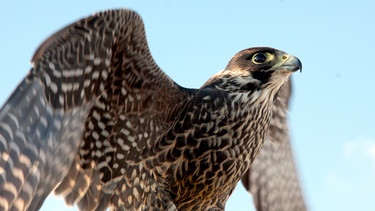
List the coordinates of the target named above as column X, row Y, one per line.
column 259, row 58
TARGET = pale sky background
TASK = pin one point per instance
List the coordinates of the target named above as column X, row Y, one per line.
column 332, row 114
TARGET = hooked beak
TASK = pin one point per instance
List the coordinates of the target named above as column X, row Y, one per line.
column 291, row 63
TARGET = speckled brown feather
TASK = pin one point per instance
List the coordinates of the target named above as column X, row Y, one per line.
column 273, row 177
column 97, row 119
column 74, row 80
column 136, row 96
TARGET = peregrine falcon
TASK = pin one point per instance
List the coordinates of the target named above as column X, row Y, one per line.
column 97, row 121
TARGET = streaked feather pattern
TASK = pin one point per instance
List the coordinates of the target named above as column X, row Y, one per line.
column 98, row 121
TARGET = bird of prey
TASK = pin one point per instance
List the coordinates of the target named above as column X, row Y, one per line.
column 97, row 121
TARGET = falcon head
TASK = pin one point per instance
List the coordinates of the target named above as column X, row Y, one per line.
column 253, row 69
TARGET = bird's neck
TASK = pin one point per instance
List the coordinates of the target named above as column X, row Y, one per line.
column 253, row 111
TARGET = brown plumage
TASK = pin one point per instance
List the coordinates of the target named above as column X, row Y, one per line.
column 273, row 177
column 99, row 121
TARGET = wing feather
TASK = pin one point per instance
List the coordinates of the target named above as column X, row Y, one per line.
column 34, row 145
column 97, row 71
column 141, row 99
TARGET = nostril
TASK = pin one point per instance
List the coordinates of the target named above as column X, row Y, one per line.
column 285, row 57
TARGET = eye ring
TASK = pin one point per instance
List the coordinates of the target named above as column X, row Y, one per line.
column 259, row 58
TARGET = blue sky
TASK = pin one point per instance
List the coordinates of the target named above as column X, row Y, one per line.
column 332, row 113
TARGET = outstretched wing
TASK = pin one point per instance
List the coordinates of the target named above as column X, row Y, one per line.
column 272, row 178
column 83, row 76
